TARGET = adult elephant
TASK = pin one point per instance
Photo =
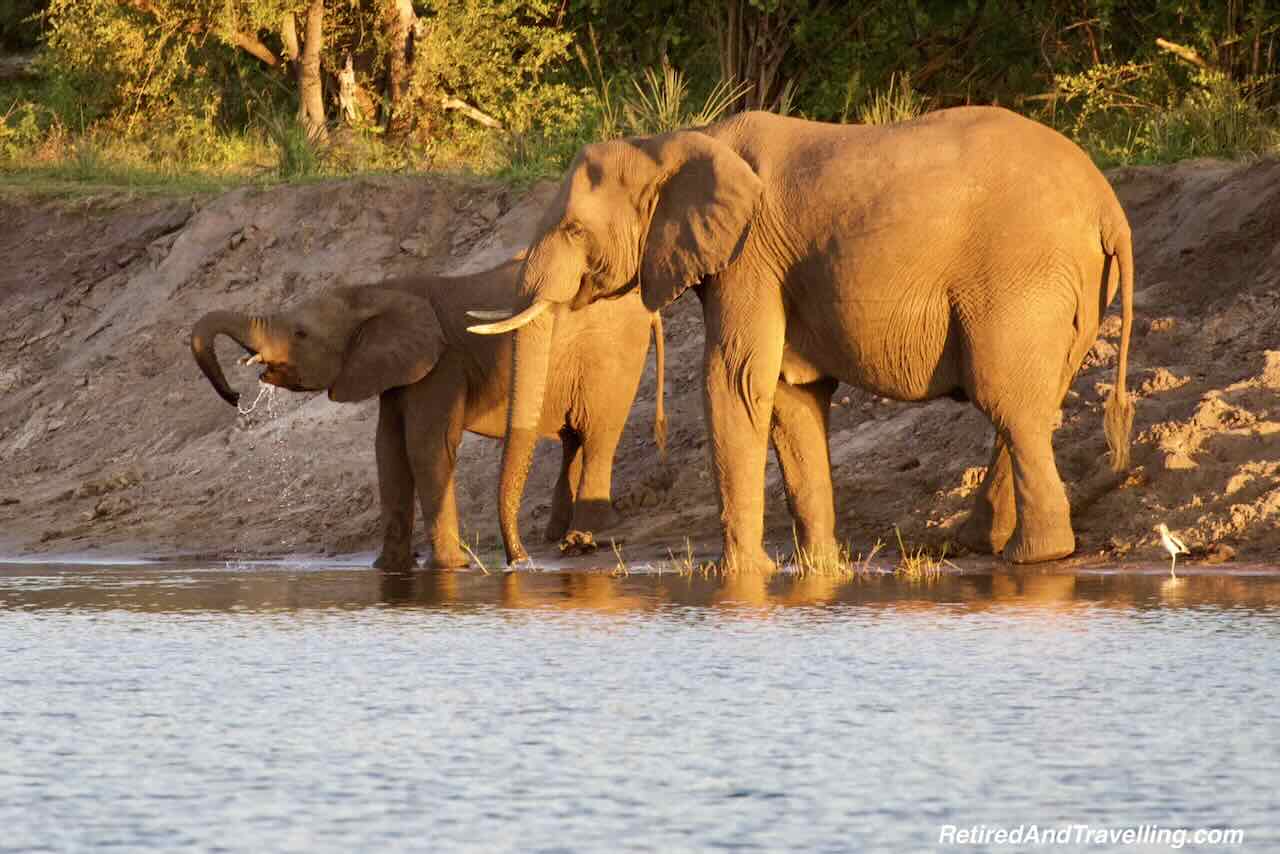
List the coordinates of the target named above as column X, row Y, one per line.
column 969, row 253
column 405, row 341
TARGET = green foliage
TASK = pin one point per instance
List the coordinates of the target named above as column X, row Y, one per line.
column 297, row 150
column 167, row 87
column 19, row 24
column 608, row 108
column 1139, row 113
column 20, row 129
column 1217, row 118
column 658, row 105
column 501, row 56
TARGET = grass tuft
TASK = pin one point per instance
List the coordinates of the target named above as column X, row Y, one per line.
column 620, row 569
column 917, row 564
column 897, row 102
column 297, row 149
column 658, row 104
column 686, row 565
column 842, row 563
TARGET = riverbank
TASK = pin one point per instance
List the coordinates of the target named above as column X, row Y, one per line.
column 112, row 443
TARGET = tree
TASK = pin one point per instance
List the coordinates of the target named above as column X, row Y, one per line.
column 304, row 56
column 399, row 22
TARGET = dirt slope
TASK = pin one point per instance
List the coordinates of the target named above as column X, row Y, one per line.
column 111, row 441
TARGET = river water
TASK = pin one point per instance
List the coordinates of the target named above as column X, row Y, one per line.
column 311, row 708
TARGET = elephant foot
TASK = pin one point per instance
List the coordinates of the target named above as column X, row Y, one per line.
column 746, row 560
column 578, row 543
column 1050, row 545
column 979, row 534
column 517, row 564
column 518, row 558
column 449, row 559
column 395, row 561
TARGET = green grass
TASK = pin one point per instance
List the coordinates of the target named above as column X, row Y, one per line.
column 73, row 180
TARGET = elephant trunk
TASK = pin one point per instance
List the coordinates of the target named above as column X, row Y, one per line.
column 530, row 361
column 247, row 331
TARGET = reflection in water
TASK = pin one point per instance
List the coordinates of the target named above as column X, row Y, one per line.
column 324, row 709
column 161, row 587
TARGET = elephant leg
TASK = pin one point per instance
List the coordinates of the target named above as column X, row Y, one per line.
column 1043, row 528
column 745, row 331
column 593, row 505
column 433, row 422
column 395, row 485
column 1020, row 346
column 991, row 522
column 801, row 416
column 566, row 486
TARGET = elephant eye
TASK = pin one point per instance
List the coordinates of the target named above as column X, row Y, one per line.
column 572, row 228
column 300, row 333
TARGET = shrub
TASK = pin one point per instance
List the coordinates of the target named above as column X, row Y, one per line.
column 658, row 105
column 1218, row 118
column 297, row 151
column 1131, row 113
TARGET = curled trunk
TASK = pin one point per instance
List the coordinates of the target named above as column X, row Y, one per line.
column 531, row 359
column 245, row 330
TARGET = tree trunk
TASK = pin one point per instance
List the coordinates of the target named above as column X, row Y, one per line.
column 400, row 21
column 310, row 86
column 752, row 45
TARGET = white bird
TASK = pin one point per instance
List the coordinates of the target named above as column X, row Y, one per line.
column 1172, row 545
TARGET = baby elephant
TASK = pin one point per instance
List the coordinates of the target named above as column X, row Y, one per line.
column 406, row 341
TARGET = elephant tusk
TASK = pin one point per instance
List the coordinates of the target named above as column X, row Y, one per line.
column 489, row 315
column 255, row 359
column 511, row 323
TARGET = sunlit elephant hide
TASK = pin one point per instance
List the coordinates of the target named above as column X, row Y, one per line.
column 405, row 341
column 970, row 254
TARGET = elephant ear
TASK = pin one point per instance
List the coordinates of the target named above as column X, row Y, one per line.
column 704, row 210
column 397, row 345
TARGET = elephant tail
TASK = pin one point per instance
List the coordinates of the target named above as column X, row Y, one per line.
column 660, row 412
column 1117, row 420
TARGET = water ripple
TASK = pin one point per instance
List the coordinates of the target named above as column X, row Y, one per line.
column 162, row 708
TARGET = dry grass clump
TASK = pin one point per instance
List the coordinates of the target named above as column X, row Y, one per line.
column 917, row 564
column 685, row 564
column 897, row 102
column 841, row 563
column 914, row 563
column 620, row 569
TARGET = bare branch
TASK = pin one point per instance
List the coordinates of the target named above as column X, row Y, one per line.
column 245, row 41
column 1183, row 52
column 253, row 47
column 451, row 103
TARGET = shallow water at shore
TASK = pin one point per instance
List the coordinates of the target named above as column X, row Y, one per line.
column 319, row 708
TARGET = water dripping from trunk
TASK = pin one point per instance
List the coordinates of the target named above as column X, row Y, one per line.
column 277, row 474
